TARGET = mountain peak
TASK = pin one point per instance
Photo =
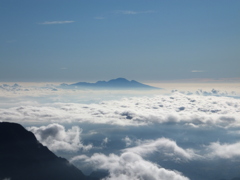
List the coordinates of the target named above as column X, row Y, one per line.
column 118, row 83
column 120, row 79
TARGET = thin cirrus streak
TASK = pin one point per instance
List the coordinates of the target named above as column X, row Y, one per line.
column 131, row 12
column 56, row 22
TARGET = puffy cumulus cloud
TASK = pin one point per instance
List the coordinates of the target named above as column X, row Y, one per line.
column 191, row 110
column 129, row 165
column 165, row 147
column 57, row 138
column 132, row 163
column 223, row 151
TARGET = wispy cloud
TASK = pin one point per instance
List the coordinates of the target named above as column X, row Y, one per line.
column 56, row 22
column 197, row 71
column 130, row 12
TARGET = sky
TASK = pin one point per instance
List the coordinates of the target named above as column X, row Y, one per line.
column 150, row 41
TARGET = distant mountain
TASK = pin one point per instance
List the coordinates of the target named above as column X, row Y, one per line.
column 119, row 83
column 22, row 157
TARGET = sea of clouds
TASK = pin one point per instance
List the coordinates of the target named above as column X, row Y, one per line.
column 131, row 134
column 189, row 110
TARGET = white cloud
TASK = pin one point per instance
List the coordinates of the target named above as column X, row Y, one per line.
column 56, row 22
column 224, row 151
column 191, row 110
column 128, row 141
column 129, row 165
column 79, row 158
column 56, row 138
column 165, row 147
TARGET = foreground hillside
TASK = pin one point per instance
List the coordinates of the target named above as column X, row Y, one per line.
column 22, row 157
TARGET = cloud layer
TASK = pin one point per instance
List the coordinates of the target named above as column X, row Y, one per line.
column 136, row 137
column 133, row 163
column 194, row 111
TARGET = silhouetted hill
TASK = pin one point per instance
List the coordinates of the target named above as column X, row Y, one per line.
column 119, row 83
column 22, row 157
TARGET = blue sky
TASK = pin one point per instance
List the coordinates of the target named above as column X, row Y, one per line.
column 146, row 40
